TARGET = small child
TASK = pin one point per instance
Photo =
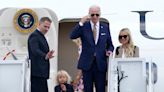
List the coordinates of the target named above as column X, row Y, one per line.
column 78, row 82
column 63, row 82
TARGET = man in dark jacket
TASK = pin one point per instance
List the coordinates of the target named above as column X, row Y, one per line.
column 39, row 54
column 96, row 46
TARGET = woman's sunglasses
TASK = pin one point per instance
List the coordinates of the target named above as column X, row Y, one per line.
column 123, row 36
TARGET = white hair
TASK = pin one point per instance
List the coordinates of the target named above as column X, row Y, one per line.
column 95, row 7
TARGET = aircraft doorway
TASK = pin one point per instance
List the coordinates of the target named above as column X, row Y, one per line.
column 67, row 49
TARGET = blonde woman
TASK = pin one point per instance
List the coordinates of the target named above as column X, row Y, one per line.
column 127, row 48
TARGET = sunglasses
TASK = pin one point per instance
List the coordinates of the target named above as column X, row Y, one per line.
column 123, row 36
column 95, row 14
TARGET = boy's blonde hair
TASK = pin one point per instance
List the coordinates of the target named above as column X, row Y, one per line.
column 63, row 72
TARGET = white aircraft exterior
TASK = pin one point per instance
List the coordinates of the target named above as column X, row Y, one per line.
column 143, row 17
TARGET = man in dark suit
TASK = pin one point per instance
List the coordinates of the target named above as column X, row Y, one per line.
column 39, row 54
column 96, row 47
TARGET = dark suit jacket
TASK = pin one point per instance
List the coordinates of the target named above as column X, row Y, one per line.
column 38, row 48
column 68, row 87
column 89, row 47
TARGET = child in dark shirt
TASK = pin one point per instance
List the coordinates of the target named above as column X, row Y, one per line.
column 63, row 79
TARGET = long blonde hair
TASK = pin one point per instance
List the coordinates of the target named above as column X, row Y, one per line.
column 129, row 49
column 79, row 45
column 77, row 41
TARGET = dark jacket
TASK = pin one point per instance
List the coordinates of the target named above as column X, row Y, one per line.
column 68, row 87
column 38, row 48
column 89, row 47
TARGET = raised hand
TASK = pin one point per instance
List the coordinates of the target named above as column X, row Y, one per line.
column 50, row 54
